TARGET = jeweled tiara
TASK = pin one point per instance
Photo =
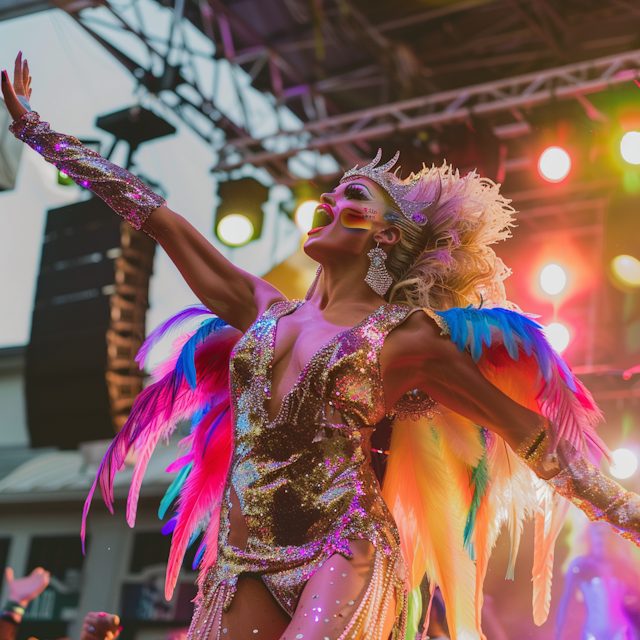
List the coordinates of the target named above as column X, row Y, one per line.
column 399, row 190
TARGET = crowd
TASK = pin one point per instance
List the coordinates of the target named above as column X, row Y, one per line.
column 96, row 625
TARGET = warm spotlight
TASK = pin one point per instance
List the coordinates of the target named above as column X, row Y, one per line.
column 630, row 147
column 553, row 279
column 304, row 214
column 624, row 464
column 558, row 335
column 554, row 164
column 235, row 230
column 627, row 270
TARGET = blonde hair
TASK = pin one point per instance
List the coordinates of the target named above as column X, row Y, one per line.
column 449, row 261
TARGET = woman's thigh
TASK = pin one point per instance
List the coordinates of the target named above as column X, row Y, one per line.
column 332, row 595
column 253, row 614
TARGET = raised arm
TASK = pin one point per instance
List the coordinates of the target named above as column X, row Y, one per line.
column 556, row 440
column 231, row 293
column 417, row 356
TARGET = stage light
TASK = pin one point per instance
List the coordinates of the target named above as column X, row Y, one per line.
column 624, row 464
column 558, row 335
column 242, row 201
column 627, row 270
column 554, row 164
column 630, row 147
column 235, row 230
column 304, row 214
column 553, row 279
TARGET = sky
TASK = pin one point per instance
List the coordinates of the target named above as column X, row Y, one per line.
column 74, row 81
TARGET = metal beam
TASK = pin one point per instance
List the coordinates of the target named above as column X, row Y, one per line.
column 16, row 8
column 443, row 108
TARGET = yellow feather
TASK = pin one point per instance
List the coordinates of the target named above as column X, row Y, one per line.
column 552, row 510
column 425, row 490
column 461, row 435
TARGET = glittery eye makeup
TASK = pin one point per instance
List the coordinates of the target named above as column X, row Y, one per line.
column 352, row 219
column 357, row 192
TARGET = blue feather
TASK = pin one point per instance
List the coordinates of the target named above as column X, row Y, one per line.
column 174, row 490
column 199, row 555
column 170, row 526
column 194, row 537
column 471, row 329
column 186, row 362
column 172, row 323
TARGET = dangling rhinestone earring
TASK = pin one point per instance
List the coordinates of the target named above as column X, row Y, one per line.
column 314, row 284
column 378, row 278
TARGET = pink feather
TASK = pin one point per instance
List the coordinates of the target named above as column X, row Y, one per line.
column 201, row 496
column 160, row 407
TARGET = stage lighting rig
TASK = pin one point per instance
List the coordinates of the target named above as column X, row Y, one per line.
column 630, row 147
column 558, row 335
column 625, row 464
column 306, row 198
column 239, row 215
column 554, row 164
column 553, row 279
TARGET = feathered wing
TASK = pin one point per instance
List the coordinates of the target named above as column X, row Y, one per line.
column 427, row 489
column 519, row 360
column 191, row 385
column 513, row 353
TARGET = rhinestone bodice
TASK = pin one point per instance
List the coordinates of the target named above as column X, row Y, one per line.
column 303, row 480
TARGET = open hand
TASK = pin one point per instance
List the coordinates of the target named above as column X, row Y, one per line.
column 24, row 590
column 21, row 88
column 100, row 626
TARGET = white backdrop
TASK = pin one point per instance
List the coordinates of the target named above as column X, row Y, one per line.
column 74, row 81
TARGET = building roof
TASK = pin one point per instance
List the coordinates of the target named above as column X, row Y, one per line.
column 52, row 475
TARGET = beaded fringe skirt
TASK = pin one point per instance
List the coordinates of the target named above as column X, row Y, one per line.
column 366, row 623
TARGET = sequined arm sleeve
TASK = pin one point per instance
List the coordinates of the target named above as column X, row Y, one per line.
column 600, row 498
column 126, row 194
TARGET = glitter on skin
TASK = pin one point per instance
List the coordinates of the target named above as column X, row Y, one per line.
column 354, row 221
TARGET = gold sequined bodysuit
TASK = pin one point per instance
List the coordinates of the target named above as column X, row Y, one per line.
column 304, row 483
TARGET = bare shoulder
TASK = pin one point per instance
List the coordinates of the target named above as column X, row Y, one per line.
column 418, row 336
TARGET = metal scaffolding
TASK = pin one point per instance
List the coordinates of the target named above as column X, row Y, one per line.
column 448, row 107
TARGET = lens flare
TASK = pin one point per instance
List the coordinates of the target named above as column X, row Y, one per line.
column 625, row 464
column 627, row 270
column 558, row 336
column 304, row 215
column 235, row 230
column 553, row 279
column 554, row 164
column 630, row 147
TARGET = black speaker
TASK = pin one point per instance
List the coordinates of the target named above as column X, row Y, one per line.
column 88, row 322
column 67, row 398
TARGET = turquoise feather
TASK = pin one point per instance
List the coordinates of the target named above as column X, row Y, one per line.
column 480, row 479
column 174, row 490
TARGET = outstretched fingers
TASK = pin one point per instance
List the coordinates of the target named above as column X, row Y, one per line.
column 26, row 79
column 18, row 75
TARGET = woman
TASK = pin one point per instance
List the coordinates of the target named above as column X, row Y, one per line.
column 606, row 579
column 297, row 540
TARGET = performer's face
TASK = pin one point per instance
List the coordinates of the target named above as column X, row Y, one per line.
column 347, row 219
